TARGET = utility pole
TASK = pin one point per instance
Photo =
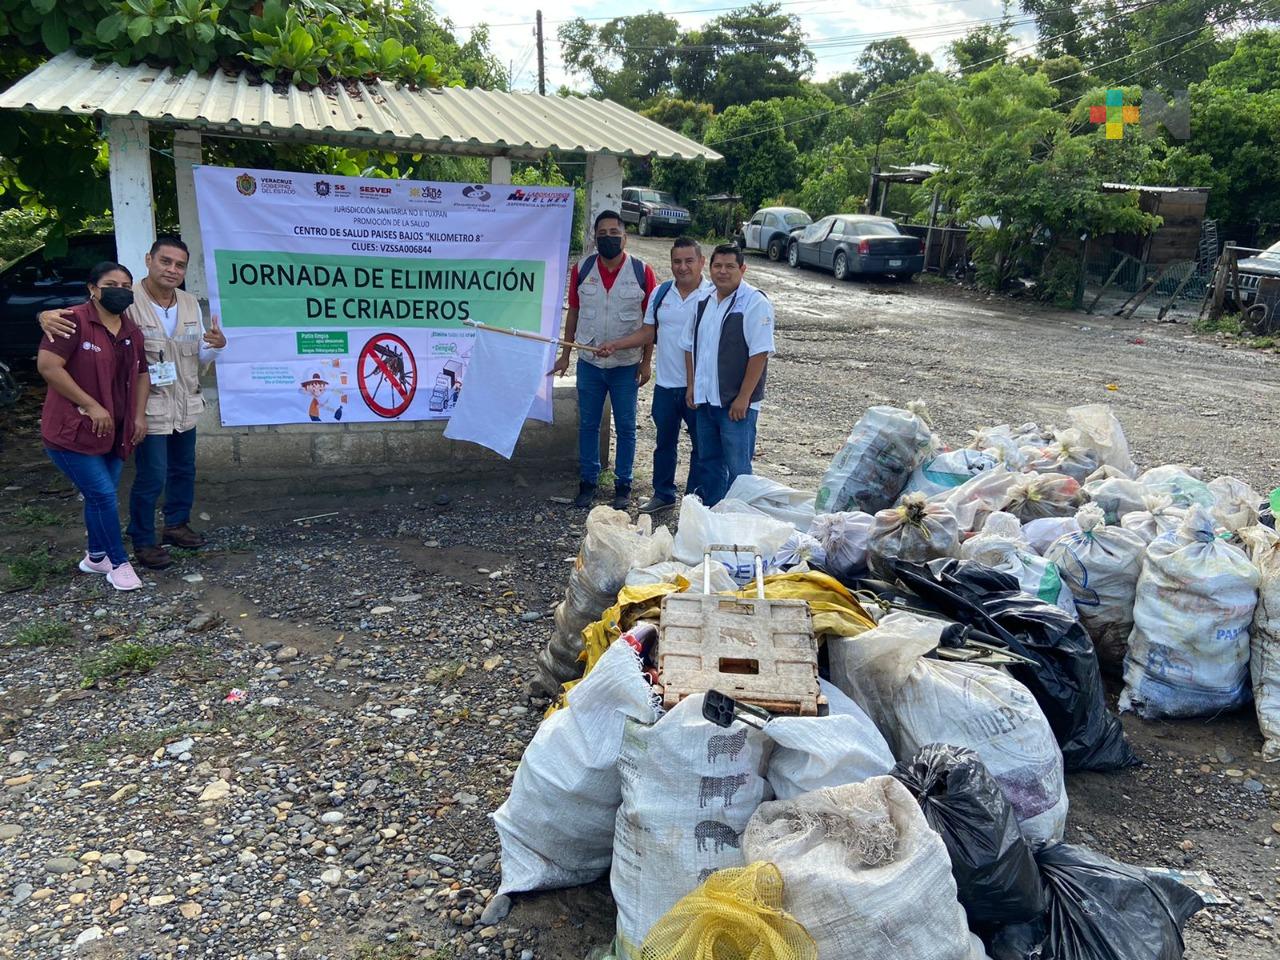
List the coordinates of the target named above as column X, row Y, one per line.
column 542, row 63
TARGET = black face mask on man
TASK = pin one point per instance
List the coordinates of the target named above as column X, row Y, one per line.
column 115, row 300
column 609, row 247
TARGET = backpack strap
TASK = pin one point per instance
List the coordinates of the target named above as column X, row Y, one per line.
column 585, row 266
column 638, row 267
column 663, row 289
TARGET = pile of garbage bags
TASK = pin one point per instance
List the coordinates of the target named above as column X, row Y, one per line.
column 923, row 815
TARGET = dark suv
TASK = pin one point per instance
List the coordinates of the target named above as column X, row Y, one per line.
column 653, row 211
column 38, row 282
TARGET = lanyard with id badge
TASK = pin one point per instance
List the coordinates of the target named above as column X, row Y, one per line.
column 165, row 372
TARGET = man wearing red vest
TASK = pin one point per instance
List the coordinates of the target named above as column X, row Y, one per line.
column 608, row 295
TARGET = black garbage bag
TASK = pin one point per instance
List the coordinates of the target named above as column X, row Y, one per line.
column 997, row 879
column 1100, row 909
column 1065, row 678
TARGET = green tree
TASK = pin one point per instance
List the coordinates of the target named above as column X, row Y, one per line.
column 806, row 119
column 887, row 62
column 981, row 46
column 834, row 180
column 685, row 117
column 627, row 59
column 754, row 53
column 1007, row 154
column 759, row 161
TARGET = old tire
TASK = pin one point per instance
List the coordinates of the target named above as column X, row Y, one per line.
column 774, row 250
column 793, row 254
column 643, row 228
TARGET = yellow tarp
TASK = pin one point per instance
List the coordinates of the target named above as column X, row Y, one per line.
column 835, row 611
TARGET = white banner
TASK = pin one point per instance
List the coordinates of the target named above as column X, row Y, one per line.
column 343, row 298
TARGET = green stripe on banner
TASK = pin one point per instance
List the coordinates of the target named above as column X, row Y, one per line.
column 310, row 290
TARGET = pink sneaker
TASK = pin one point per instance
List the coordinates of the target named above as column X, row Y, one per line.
column 95, row 566
column 123, row 577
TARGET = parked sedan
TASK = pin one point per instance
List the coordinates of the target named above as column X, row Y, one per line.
column 1252, row 269
column 41, row 281
column 653, row 211
column 846, row 245
column 770, row 229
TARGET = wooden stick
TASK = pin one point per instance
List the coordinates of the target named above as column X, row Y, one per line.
column 524, row 334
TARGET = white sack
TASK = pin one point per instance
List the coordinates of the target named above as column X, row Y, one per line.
column 800, row 548
column 1069, row 454
column 665, row 572
column 1158, row 517
column 1105, row 435
column 974, row 499
column 916, row 700
column 773, row 499
column 844, row 538
column 994, row 548
column 699, row 528
column 1040, row 534
column 864, row 873
column 1189, row 649
column 873, row 465
column 1264, row 643
column 914, row 531
column 1235, row 503
column 1036, row 495
column 812, row 752
column 1117, row 496
column 1181, row 486
column 688, row 790
column 556, row 827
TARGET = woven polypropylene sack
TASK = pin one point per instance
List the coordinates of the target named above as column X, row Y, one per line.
column 916, row 531
column 735, row 915
column 864, row 873
column 688, row 790
column 1264, row 638
column 1188, row 653
column 1101, row 565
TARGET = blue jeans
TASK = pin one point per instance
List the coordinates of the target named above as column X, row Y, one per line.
column 670, row 413
column 619, row 385
column 96, row 477
column 726, row 447
column 165, row 464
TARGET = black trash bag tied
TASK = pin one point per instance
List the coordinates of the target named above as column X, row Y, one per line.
column 996, row 876
column 1100, row 909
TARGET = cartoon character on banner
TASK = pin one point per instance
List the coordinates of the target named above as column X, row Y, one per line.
column 316, row 387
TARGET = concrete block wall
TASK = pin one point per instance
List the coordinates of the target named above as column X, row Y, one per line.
column 295, row 457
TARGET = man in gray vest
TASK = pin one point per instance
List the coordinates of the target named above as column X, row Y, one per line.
column 608, row 295
column 727, row 349
column 177, row 346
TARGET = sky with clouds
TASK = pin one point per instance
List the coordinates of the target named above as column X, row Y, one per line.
column 838, row 30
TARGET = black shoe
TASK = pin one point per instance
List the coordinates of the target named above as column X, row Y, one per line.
column 621, row 497
column 586, row 495
column 656, row 505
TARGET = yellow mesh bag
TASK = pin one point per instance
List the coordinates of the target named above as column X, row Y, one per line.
column 735, row 915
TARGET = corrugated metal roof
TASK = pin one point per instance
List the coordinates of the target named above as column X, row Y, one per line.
column 1147, row 188
column 374, row 115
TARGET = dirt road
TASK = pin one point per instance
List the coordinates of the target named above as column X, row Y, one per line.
column 338, row 810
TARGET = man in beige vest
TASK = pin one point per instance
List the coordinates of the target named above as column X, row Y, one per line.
column 177, row 347
column 608, row 295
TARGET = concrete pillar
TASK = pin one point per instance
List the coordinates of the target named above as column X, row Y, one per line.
column 499, row 169
column 604, row 191
column 132, row 204
column 187, row 155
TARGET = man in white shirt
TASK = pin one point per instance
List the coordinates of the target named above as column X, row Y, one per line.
column 671, row 309
column 727, row 349
column 177, row 346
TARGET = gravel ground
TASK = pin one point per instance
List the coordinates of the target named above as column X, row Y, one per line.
column 339, row 809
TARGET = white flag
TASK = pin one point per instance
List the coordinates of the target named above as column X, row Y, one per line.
column 502, row 381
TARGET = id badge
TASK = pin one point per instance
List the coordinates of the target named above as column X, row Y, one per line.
column 163, row 373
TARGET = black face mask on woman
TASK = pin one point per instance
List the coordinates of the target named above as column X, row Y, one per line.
column 609, row 247
column 115, row 300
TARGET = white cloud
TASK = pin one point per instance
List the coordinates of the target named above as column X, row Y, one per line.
column 830, row 24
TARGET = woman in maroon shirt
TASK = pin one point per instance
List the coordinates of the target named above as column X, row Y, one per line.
column 95, row 412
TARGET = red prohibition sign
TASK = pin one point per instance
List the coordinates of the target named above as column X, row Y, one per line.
column 387, row 375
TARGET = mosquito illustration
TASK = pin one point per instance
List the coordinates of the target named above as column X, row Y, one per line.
column 393, row 362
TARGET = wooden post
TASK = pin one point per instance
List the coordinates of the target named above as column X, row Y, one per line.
column 1078, row 300
column 1110, row 280
column 132, row 204
column 187, row 155
column 1220, row 284
column 928, row 236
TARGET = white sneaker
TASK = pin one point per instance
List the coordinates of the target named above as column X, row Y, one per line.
column 88, row 565
column 123, row 577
